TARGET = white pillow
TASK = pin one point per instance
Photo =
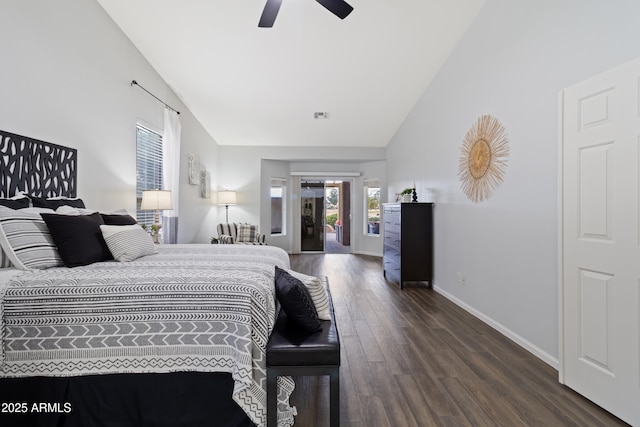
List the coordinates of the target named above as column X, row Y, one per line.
column 318, row 293
column 19, row 195
column 62, row 198
column 34, row 210
column 127, row 242
column 70, row 210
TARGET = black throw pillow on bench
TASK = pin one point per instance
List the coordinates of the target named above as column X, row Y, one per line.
column 296, row 301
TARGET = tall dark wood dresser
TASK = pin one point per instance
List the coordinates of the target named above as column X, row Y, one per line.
column 408, row 242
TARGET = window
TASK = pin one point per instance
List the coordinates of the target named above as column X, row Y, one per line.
column 278, row 206
column 148, row 168
column 372, row 206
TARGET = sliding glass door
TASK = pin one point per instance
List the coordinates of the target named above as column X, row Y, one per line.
column 325, row 215
column 313, row 215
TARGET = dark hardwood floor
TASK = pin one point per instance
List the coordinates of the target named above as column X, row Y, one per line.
column 413, row 358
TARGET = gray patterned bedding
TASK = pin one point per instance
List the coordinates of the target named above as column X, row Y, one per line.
column 207, row 308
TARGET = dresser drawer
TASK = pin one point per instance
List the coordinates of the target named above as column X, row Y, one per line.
column 391, row 215
column 391, row 269
column 392, row 240
column 391, row 209
column 392, row 254
column 392, row 226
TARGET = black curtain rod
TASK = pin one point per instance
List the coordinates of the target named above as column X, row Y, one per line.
column 133, row 82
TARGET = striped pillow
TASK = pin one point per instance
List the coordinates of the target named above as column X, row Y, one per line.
column 318, row 293
column 127, row 242
column 5, row 262
column 26, row 240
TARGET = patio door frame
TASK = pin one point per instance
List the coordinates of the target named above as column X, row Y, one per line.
column 312, row 211
column 296, row 200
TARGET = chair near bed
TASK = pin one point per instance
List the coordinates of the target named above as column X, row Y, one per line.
column 241, row 234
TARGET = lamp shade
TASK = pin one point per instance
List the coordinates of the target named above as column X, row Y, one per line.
column 227, row 198
column 156, row 200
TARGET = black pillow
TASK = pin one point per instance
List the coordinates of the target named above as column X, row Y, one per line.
column 116, row 219
column 39, row 202
column 20, row 203
column 78, row 238
column 296, row 301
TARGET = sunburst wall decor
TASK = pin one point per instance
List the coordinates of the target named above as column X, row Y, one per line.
column 483, row 158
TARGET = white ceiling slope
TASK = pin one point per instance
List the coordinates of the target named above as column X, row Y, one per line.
column 261, row 86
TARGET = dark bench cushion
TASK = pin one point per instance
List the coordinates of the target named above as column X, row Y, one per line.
column 290, row 345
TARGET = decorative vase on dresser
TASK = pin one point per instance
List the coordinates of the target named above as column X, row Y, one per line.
column 408, row 242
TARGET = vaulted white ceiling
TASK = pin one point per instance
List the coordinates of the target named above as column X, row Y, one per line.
column 262, row 86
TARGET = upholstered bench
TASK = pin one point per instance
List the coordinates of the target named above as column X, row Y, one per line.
column 294, row 352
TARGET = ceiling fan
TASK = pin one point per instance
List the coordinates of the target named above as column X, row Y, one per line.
column 340, row 8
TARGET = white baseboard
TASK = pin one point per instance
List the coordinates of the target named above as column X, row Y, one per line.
column 354, row 253
column 536, row 351
column 368, row 253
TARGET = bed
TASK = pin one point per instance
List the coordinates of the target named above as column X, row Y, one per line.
column 173, row 337
column 189, row 308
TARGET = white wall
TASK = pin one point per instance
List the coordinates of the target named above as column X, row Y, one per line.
column 512, row 63
column 65, row 78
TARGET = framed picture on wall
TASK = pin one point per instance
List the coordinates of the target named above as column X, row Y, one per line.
column 205, row 184
column 194, row 168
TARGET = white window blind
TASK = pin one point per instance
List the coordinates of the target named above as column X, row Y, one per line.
column 148, row 168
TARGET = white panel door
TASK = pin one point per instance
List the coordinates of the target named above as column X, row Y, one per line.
column 601, row 240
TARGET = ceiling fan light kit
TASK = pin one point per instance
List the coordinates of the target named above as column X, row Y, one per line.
column 340, row 8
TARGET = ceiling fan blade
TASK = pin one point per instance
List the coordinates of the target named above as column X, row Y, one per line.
column 269, row 13
column 340, row 8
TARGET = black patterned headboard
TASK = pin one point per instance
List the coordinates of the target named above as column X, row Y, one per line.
column 36, row 167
